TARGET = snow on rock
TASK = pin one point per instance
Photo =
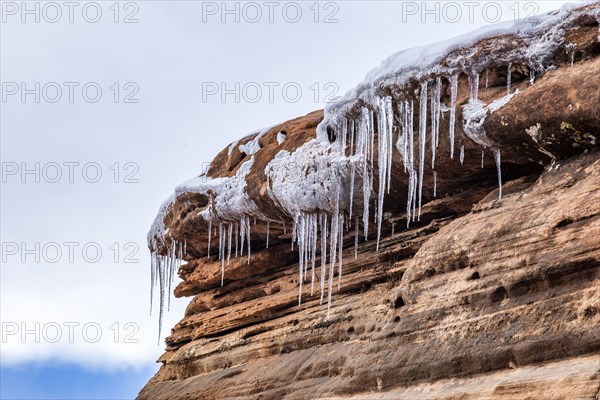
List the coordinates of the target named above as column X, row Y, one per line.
column 307, row 179
column 529, row 41
column 281, row 137
column 253, row 145
column 229, row 199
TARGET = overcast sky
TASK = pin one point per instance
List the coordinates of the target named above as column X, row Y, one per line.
column 161, row 114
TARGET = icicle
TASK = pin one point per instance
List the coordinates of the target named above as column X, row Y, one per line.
column 324, row 236
column 422, row 138
column 433, row 122
column 344, row 137
column 410, row 150
column 306, row 247
column 220, row 239
column 242, row 235
column 438, row 109
column 171, row 268
column 509, row 79
column 351, row 133
column 393, row 228
column 340, row 252
column 402, row 144
column 284, row 229
column 236, row 234
column 462, row 154
column 353, row 167
column 209, row 235
column 531, row 75
column 222, row 252
column 352, row 178
column 229, row 237
column 383, row 150
column 390, row 121
column 185, row 247
column 372, row 140
column 414, row 199
column 482, row 154
column 474, row 86
column 268, row 226
column 161, row 283
column 367, row 175
column 434, row 183
column 487, row 78
column 453, row 98
column 496, row 152
column 300, row 234
column 248, row 236
column 152, row 277
column 313, row 246
column 333, row 255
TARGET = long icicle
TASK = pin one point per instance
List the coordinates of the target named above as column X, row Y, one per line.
column 209, row 235
column 236, row 234
column 333, row 242
column 323, row 253
column 313, row 246
column 422, row 139
column 229, row 237
column 436, row 93
column 242, row 235
column 496, row 152
column 300, row 235
column 222, row 251
column 453, row 98
column 340, row 252
column 383, row 154
column 367, row 175
column 248, row 236
column 411, row 160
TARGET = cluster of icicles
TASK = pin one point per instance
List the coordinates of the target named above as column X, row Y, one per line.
column 361, row 132
column 326, row 229
column 308, row 231
column 162, row 272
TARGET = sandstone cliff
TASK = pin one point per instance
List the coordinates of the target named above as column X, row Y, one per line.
column 459, row 291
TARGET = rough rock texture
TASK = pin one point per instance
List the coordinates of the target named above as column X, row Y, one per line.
column 481, row 299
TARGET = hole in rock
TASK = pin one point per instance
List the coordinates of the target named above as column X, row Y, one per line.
column 498, row 295
column 399, row 302
column 473, row 276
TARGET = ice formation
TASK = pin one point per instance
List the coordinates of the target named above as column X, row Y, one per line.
column 355, row 148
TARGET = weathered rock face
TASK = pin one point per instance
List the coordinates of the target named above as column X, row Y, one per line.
column 480, row 299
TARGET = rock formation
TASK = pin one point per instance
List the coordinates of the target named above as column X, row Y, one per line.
column 453, row 291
